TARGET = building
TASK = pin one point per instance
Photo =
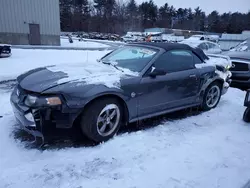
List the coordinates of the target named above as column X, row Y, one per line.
column 34, row 22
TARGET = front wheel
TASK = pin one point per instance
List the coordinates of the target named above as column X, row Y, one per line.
column 211, row 97
column 102, row 119
column 246, row 116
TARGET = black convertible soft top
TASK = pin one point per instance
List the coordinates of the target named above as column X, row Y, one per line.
column 174, row 46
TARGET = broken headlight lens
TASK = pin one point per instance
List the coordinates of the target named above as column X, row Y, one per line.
column 30, row 100
column 42, row 101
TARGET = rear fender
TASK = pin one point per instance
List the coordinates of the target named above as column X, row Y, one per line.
column 207, row 83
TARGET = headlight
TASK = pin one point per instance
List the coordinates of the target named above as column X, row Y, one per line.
column 228, row 67
column 42, row 101
column 30, row 100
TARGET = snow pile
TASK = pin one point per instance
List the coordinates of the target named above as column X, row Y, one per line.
column 192, row 42
column 207, row 150
column 82, row 44
column 23, row 60
column 106, row 41
column 219, row 60
column 92, row 73
column 5, row 45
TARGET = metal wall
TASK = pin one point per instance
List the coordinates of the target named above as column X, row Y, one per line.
column 15, row 16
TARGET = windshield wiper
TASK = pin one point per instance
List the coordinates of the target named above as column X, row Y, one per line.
column 112, row 64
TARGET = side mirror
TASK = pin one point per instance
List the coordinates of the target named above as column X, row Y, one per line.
column 157, row 72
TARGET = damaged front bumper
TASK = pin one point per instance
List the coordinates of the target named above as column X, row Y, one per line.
column 26, row 121
column 227, row 82
column 42, row 122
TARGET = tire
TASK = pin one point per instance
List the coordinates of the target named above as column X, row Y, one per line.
column 96, row 112
column 205, row 104
column 246, row 116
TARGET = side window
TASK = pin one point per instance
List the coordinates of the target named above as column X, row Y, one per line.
column 211, row 46
column 175, row 60
column 203, row 46
column 217, row 47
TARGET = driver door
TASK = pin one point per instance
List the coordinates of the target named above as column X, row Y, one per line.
column 175, row 89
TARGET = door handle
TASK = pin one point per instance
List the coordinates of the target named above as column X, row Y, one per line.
column 192, row 76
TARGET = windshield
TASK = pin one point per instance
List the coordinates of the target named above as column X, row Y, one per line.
column 244, row 46
column 131, row 57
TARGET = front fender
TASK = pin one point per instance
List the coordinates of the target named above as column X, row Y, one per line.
column 78, row 98
column 102, row 90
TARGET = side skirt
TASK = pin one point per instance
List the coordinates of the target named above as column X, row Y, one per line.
column 163, row 112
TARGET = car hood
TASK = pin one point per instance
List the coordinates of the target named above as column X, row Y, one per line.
column 238, row 54
column 42, row 79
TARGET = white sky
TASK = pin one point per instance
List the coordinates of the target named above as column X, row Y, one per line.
column 208, row 5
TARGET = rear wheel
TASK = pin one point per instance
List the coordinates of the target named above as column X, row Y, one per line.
column 211, row 97
column 246, row 116
column 102, row 119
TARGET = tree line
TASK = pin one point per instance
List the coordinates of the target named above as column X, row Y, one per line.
column 118, row 16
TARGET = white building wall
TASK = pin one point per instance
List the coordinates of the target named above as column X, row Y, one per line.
column 15, row 16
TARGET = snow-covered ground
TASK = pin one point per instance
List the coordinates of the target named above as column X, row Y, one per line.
column 207, row 150
column 82, row 44
column 95, row 40
column 24, row 60
column 108, row 41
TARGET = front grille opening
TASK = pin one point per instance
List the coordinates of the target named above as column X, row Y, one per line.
column 240, row 66
column 240, row 78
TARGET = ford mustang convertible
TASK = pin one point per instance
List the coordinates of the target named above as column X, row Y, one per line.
column 134, row 82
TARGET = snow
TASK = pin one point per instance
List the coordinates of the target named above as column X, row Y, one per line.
column 5, row 45
column 221, row 60
column 82, row 44
column 207, row 150
column 95, row 40
column 215, row 59
column 192, row 42
column 92, row 72
column 244, row 46
column 77, row 64
column 218, row 60
column 107, row 41
column 24, row 60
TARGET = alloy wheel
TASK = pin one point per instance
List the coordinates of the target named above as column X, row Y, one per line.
column 108, row 119
column 213, row 96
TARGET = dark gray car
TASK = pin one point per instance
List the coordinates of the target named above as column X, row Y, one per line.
column 132, row 83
